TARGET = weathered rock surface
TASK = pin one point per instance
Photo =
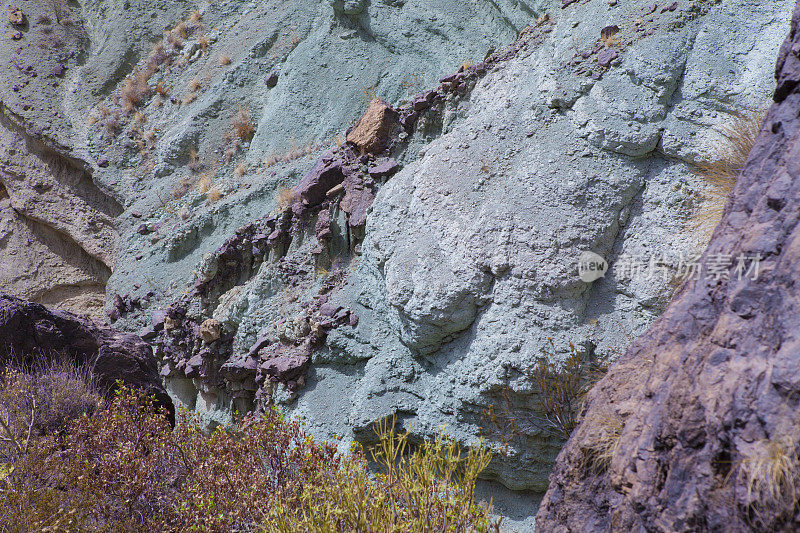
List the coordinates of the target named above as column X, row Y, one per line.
column 712, row 389
column 423, row 280
column 30, row 332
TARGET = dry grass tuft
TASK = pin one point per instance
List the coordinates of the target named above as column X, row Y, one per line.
column 243, row 125
column 606, row 430
column 195, row 17
column 240, row 170
column 135, row 90
column 770, row 472
column 113, row 124
column 213, row 195
column 224, row 60
column 43, row 400
column 139, row 117
column 194, row 165
column 180, row 30
column 195, row 85
column 173, row 40
column 204, row 42
column 719, row 174
column 286, row 198
column 203, row 184
column 189, row 98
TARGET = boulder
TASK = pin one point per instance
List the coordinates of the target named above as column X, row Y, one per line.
column 30, row 332
column 371, row 132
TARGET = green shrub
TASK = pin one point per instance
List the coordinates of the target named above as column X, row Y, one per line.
column 125, row 468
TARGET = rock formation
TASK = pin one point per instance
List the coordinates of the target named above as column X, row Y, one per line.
column 356, row 209
column 31, row 333
column 701, row 415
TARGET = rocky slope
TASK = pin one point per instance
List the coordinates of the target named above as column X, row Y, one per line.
column 418, row 268
column 707, row 400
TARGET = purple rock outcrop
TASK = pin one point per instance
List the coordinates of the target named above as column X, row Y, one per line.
column 30, row 332
column 707, row 401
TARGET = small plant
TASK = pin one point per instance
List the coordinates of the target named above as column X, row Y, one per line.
column 240, row 170
column 286, row 198
column 189, row 98
column 195, row 17
column 606, row 430
column 224, row 60
column 372, row 93
column 559, row 389
column 161, row 89
column 203, row 184
column 173, row 40
column 135, row 90
column 158, row 56
column 180, row 30
column 719, row 174
column 213, row 195
column 242, row 125
column 194, row 165
column 770, row 473
column 204, row 42
column 113, row 124
column 195, row 85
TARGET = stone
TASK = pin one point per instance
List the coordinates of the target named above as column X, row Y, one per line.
column 384, row 169
column 371, row 132
column 210, row 330
column 37, row 334
column 605, row 57
column 272, row 80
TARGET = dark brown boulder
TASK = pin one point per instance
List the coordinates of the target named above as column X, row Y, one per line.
column 699, row 422
column 30, row 332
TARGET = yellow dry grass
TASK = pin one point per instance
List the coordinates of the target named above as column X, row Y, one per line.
column 719, row 173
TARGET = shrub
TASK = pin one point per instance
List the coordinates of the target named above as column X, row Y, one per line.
column 242, row 125
column 718, row 175
column 126, row 469
column 135, row 90
column 40, row 401
column 559, row 388
column 161, row 89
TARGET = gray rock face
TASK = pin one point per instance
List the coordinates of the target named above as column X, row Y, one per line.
column 422, row 277
column 705, row 403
